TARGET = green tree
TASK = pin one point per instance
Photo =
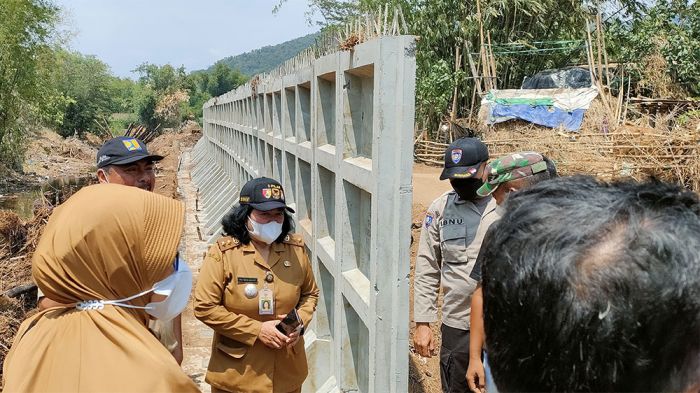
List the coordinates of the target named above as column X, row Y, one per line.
column 124, row 92
column 157, row 83
column 146, row 103
column 444, row 25
column 162, row 79
column 223, row 79
column 661, row 48
column 86, row 82
column 27, row 36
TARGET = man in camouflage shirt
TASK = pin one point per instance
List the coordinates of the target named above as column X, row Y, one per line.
column 504, row 176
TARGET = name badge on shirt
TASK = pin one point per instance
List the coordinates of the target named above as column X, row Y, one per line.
column 266, row 302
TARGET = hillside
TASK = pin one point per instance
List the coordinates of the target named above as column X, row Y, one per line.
column 268, row 57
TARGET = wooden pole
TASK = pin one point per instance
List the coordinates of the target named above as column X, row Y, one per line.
column 474, row 68
column 492, row 63
column 482, row 51
column 458, row 65
column 620, row 97
column 592, row 66
column 589, row 52
column 471, row 107
column 599, row 39
column 605, row 50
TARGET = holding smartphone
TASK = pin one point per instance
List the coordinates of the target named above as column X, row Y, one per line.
column 290, row 323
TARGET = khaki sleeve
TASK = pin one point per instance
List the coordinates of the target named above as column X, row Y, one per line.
column 208, row 302
column 309, row 292
column 426, row 284
column 474, row 249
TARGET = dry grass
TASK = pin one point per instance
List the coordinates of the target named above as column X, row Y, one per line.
column 655, row 76
column 15, row 267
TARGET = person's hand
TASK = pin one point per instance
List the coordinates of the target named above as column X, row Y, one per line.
column 272, row 337
column 293, row 338
column 475, row 376
column 423, row 340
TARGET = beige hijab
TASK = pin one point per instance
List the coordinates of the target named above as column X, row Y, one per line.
column 107, row 242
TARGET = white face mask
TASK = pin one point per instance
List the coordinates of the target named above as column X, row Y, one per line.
column 176, row 287
column 266, row 233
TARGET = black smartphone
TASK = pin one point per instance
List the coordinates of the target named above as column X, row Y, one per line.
column 290, row 323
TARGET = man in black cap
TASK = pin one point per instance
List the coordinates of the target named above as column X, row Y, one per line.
column 449, row 227
column 125, row 160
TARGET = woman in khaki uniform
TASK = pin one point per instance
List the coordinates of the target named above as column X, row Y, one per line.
column 101, row 256
column 250, row 280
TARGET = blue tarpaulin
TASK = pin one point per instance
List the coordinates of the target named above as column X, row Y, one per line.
column 548, row 116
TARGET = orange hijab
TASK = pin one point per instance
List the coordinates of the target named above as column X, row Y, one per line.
column 106, row 242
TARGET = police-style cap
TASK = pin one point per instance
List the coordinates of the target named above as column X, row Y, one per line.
column 511, row 167
column 124, row 150
column 263, row 194
column 463, row 157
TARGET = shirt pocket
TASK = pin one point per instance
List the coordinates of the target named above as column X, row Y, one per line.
column 231, row 347
column 453, row 243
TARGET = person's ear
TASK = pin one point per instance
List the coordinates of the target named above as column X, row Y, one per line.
column 102, row 176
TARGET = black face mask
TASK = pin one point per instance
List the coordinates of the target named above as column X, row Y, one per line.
column 466, row 188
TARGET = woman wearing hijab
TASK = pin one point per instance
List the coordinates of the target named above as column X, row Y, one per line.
column 109, row 255
column 249, row 282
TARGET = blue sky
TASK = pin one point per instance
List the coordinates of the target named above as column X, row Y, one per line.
column 126, row 33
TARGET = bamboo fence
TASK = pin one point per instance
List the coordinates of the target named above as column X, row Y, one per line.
column 667, row 150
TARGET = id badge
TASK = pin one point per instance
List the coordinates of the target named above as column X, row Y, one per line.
column 266, row 302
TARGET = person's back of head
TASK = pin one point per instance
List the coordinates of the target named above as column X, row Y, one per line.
column 592, row 286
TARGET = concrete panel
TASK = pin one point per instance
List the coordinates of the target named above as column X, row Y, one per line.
column 338, row 135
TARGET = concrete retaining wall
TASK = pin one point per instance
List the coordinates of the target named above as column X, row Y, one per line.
column 338, row 136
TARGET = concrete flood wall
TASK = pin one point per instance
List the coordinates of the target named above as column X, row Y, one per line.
column 338, row 135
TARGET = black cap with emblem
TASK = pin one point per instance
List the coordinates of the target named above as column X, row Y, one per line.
column 263, row 194
column 463, row 157
column 124, row 150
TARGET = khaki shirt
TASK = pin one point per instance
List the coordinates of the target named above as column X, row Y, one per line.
column 492, row 214
column 239, row 361
column 449, row 227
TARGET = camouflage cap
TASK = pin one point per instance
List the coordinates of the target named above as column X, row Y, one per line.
column 511, row 167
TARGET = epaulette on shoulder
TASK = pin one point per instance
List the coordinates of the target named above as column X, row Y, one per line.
column 227, row 242
column 294, row 239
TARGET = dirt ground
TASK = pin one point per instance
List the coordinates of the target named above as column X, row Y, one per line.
column 427, row 184
column 51, row 156
column 171, row 145
column 424, row 373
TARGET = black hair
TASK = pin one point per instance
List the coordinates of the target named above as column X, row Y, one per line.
column 594, row 286
column 234, row 223
column 550, row 173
